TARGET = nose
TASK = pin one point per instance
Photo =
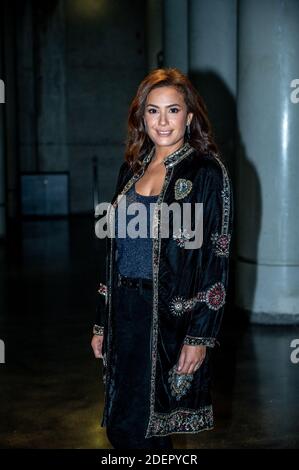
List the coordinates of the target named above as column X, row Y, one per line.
column 163, row 118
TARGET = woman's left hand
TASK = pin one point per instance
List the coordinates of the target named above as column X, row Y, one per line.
column 191, row 358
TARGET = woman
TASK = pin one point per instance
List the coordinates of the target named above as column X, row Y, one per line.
column 162, row 303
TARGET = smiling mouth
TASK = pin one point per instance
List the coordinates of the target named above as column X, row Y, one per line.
column 164, row 133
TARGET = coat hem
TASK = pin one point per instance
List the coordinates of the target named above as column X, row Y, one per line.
column 182, row 420
column 208, row 428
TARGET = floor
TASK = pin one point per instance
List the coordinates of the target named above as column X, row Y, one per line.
column 51, row 391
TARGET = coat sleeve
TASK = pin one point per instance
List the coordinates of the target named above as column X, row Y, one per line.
column 207, row 313
column 101, row 300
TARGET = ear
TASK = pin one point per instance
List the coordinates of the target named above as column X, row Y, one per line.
column 189, row 118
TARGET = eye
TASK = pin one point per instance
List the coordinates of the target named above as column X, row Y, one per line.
column 174, row 110
column 152, row 110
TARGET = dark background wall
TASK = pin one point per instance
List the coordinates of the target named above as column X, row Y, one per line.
column 72, row 70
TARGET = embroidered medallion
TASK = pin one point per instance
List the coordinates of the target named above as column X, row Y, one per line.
column 215, row 296
column 221, row 243
column 179, row 305
column 182, row 187
column 181, row 236
column 179, row 383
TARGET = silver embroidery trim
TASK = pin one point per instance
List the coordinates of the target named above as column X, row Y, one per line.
column 182, row 420
column 169, row 162
column 104, row 368
column 198, row 341
column 98, row 330
column 178, row 155
column 221, row 241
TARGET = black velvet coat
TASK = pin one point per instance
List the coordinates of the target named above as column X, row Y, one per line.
column 189, row 290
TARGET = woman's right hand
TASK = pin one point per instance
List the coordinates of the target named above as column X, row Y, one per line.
column 96, row 344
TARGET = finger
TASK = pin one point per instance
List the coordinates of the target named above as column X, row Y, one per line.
column 191, row 368
column 100, row 350
column 181, row 363
column 97, row 354
column 185, row 369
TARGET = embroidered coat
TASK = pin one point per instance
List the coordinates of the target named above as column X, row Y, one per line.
column 189, row 290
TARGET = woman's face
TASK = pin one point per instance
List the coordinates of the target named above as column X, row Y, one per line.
column 166, row 117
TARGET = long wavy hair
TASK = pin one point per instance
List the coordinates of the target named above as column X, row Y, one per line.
column 201, row 134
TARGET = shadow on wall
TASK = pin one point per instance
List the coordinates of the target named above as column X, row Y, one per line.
column 222, row 111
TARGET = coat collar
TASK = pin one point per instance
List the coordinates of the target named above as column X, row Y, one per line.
column 173, row 158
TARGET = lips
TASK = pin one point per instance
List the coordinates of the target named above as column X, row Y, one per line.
column 164, row 133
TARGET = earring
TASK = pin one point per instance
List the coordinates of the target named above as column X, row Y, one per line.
column 188, row 131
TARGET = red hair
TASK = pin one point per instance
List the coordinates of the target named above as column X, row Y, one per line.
column 201, row 136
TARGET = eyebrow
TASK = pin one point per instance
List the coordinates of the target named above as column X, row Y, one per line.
column 168, row 106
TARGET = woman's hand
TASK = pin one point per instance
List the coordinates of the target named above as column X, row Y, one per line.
column 191, row 358
column 96, row 344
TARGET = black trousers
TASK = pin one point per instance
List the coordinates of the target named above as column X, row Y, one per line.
column 126, row 426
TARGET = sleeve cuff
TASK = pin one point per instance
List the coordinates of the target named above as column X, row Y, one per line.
column 98, row 330
column 200, row 341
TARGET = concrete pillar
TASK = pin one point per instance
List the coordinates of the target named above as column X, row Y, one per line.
column 154, row 35
column 50, row 67
column 27, row 79
column 2, row 145
column 11, row 111
column 2, row 177
column 212, row 39
column 175, row 29
column 268, row 189
column 42, row 88
column 213, row 66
